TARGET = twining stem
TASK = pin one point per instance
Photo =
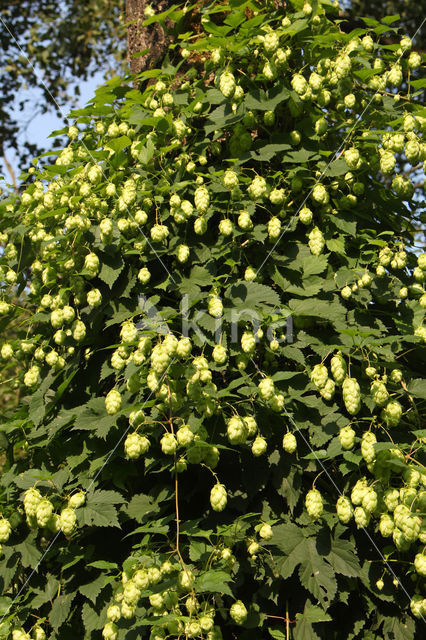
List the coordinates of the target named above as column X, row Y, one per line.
column 177, row 510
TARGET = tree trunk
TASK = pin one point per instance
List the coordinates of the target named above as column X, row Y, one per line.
column 140, row 38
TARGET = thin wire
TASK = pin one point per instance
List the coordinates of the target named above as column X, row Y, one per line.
column 83, row 143
column 336, row 154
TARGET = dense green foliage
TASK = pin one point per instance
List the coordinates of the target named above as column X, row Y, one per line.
column 411, row 15
column 49, row 48
column 221, row 355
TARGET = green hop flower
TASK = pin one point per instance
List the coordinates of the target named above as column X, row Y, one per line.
column 314, row 504
column 351, row 395
column 344, row 509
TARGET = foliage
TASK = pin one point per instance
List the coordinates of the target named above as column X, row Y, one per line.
column 49, row 48
column 410, row 12
column 193, row 467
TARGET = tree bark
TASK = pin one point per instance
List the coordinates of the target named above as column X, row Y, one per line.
column 140, row 38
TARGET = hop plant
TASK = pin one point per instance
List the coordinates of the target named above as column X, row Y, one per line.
column 110, row 631
column 305, row 215
column 6, row 351
column 386, row 525
column 201, row 199
column 320, row 195
column 328, row 389
column 113, row 402
column 379, row 393
column 230, row 179
column 77, row 500
column 227, row 84
column 418, row 605
column 159, row 232
column 200, row 226
column 346, row 292
column 271, row 41
column 289, row 442
column 319, row 375
column 352, row 157
column 32, row 376
column 266, row 388
column 169, row 444
column 392, row 413
column 351, row 395
column 338, row 368
column 259, row 446
column 358, row 491
column 420, row 564
column 347, row 437
column 387, row 162
column 245, row 221
column 368, row 441
column 79, row 331
column 226, row 227
column 411, row 528
column 361, row 517
column 132, row 446
column 184, row 435
column 238, row 612
column 251, row 426
column 144, row 275
column 236, row 430
column 266, row 532
column 314, row 504
column 67, row 520
column 412, row 151
column 316, row 241
column 128, row 333
column 32, row 499
column 43, row 512
column 391, row 499
column 258, row 188
column 342, row 66
column 218, row 497
column 184, row 347
column 91, row 263
column 215, row 307
column 248, row 342
column 19, row 634
column 190, row 201
column 369, row 501
column 299, row 84
column 38, row 633
column 5, row 530
column 277, row 196
column 276, row 403
column 220, row 355
column 274, row 228
column 414, row 60
column 344, row 509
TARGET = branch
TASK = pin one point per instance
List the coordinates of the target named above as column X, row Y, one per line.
column 11, row 172
column 418, row 166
